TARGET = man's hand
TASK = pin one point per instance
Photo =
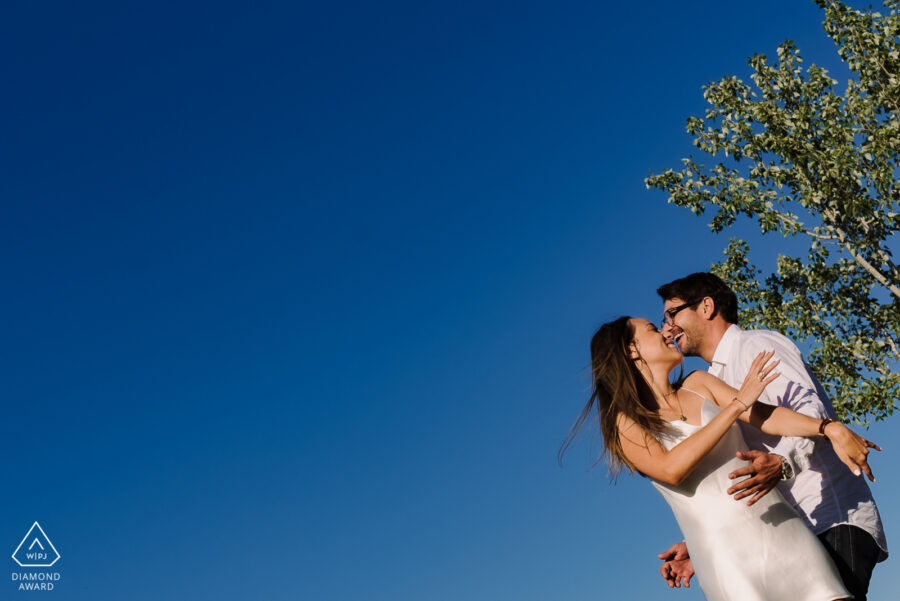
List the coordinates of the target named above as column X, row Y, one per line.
column 676, row 552
column 764, row 471
column 677, row 568
column 678, row 573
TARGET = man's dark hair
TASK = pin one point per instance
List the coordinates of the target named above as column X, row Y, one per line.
column 697, row 286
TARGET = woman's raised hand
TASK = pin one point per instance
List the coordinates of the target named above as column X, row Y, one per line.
column 759, row 376
column 851, row 448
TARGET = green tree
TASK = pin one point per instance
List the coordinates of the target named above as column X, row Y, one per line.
column 802, row 159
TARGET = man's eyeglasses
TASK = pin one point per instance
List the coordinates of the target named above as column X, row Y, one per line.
column 669, row 314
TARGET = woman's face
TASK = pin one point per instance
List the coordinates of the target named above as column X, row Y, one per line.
column 652, row 346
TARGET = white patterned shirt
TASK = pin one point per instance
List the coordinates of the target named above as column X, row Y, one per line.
column 823, row 490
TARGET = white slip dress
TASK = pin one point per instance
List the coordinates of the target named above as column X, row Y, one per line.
column 764, row 552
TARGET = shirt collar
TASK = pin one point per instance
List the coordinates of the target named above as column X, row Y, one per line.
column 726, row 345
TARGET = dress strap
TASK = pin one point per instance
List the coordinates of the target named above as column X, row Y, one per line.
column 697, row 393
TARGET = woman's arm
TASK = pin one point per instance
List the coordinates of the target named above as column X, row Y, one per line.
column 851, row 448
column 652, row 459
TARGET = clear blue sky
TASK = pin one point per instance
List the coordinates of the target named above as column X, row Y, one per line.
column 298, row 295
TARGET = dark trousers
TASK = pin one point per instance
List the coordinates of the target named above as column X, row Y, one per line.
column 855, row 554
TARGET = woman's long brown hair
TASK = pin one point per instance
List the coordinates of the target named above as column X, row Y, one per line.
column 617, row 388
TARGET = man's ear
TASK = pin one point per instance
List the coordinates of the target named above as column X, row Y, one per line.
column 707, row 308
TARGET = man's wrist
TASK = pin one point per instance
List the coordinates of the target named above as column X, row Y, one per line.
column 787, row 470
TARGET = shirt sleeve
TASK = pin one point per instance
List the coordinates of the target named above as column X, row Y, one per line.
column 794, row 389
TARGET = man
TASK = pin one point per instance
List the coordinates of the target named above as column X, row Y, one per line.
column 700, row 313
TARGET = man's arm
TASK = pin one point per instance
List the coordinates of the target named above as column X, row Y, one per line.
column 795, row 389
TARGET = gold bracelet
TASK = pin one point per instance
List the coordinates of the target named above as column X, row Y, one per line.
column 741, row 402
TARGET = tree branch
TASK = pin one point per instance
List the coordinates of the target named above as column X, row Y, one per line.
column 893, row 345
column 842, row 237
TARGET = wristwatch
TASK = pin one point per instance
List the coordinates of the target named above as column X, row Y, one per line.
column 787, row 472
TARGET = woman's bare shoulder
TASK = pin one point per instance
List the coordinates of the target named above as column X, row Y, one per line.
column 698, row 378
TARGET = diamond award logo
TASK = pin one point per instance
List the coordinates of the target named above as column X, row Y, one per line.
column 36, row 550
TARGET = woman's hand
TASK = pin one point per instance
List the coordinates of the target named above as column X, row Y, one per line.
column 851, row 448
column 759, row 376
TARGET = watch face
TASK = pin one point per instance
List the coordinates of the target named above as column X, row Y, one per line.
column 787, row 472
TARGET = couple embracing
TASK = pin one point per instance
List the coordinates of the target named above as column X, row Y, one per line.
column 796, row 524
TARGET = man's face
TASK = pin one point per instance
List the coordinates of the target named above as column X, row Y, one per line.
column 686, row 327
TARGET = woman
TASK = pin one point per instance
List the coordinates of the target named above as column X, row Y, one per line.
column 685, row 439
